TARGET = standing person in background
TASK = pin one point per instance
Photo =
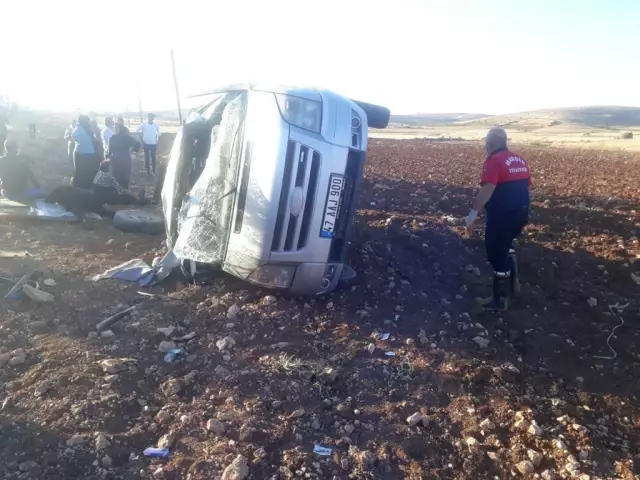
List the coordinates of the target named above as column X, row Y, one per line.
column 149, row 133
column 33, row 131
column 106, row 134
column 70, row 143
column 119, row 153
column 4, row 122
column 86, row 159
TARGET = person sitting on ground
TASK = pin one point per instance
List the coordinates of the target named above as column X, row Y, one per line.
column 17, row 181
column 78, row 201
column 107, row 189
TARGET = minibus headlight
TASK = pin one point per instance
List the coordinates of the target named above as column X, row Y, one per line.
column 300, row 112
column 274, row 276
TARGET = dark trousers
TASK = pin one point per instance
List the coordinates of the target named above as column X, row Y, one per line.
column 150, row 157
column 500, row 232
column 85, row 165
column 110, row 196
column 3, row 137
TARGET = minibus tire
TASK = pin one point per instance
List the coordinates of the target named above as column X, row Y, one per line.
column 138, row 221
column 348, row 277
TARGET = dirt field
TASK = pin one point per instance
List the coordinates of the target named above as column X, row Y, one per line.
column 533, row 393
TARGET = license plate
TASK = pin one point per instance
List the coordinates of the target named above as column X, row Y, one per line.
column 336, row 185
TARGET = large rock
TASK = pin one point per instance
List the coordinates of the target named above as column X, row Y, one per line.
column 102, row 442
column 166, row 345
column 525, row 468
column 237, row 470
column 115, row 365
column 215, row 426
column 76, row 440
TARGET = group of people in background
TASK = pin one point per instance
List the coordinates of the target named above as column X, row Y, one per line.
column 101, row 159
column 90, row 145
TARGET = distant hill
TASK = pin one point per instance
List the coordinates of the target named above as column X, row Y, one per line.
column 434, row 118
column 592, row 116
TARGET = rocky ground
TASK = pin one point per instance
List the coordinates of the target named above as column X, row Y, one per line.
column 400, row 377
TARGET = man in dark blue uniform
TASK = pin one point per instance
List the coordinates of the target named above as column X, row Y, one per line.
column 504, row 193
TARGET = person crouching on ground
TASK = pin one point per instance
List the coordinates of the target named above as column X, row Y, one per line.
column 504, row 193
column 17, row 181
column 107, row 189
column 86, row 159
column 119, row 152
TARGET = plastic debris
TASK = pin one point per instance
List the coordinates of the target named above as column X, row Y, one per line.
column 322, row 451
column 385, row 336
column 156, row 452
column 390, row 354
column 37, row 295
column 371, row 348
column 174, row 354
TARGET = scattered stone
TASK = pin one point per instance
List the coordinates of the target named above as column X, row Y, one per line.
column 349, row 429
column 525, row 468
column 415, row 419
column 548, row 475
column 535, row 457
column 329, row 375
column 507, row 372
column 215, row 426
column 481, row 341
column 225, row 344
column 50, row 282
column 106, row 461
column 171, row 387
column 487, row 425
column 107, row 334
column 260, row 454
column 298, row 413
column 115, row 365
column 592, row 302
column 17, row 360
column 162, row 416
column 167, row 331
column 5, row 358
column 572, row 467
column 269, row 300
column 167, row 441
column 472, row 442
column 560, row 445
column 534, row 429
column 237, row 470
column 166, row 345
column 579, row 428
column 76, row 440
column 233, row 311
column 102, row 442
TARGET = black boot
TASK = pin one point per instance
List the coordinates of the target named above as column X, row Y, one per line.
column 501, row 288
column 515, row 277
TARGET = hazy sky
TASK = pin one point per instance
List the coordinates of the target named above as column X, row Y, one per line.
column 489, row 56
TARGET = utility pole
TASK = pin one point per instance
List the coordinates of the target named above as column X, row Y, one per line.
column 140, row 107
column 175, row 83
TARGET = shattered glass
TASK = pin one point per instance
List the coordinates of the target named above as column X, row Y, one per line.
column 205, row 217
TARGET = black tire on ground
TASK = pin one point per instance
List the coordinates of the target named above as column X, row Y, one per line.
column 138, row 221
column 377, row 116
